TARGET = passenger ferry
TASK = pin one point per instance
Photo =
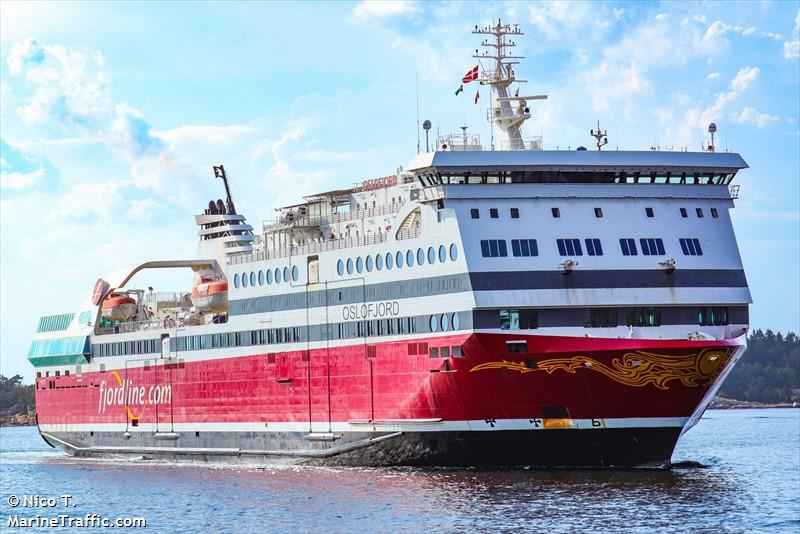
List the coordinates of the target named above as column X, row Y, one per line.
column 498, row 306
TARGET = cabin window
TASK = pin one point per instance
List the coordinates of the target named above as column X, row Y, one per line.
column 431, row 255
column 349, row 268
column 420, row 257
column 598, row 212
column 713, row 316
column 593, row 247
column 556, row 212
column 410, row 258
column 442, row 254
column 648, row 316
column 369, row 264
column 493, row 248
column 684, row 214
column 699, row 212
column 690, row 246
column 379, row 262
column 569, row 247
column 628, row 246
column 236, row 280
column 519, row 319
column 475, row 213
column 714, row 213
column 524, row 247
column 515, row 213
column 649, row 212
column 269, row 273
column 433, row 323
column 389, row 261
column 399, row 259
column 652, row 246
column 359, row 265
column 493, row 213
column 455, row 320
column 602, row 318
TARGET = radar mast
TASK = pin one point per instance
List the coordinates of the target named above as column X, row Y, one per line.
column 503, row 115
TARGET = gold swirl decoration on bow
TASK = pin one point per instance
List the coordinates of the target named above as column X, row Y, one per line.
column 637, row 369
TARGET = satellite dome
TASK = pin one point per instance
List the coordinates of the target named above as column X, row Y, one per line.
column 712, row 128
column 426, row 125
column 581, row 148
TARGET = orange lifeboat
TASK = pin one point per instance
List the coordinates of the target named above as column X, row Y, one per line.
column 210, row 294
column 118, row 307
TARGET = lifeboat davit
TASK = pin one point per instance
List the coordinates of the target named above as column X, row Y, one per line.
column 210, row 294
column 118, row 307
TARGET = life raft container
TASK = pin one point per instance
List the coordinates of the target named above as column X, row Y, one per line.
column 118, row 307
column 210, row 294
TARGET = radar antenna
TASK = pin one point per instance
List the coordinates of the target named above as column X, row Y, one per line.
column 219, row 172
column 600, row 135
column 506, row 118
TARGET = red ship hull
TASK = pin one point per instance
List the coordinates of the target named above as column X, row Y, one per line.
column 563, row 401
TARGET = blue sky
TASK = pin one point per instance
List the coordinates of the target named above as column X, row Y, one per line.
column 113, row 114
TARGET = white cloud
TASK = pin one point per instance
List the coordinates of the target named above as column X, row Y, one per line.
column 744, row 78
column 791, row 48
column 142, row 210
column 753, row 116
column 20, row 180
column 328, row 156
column 712, row 75
column 559, row 21
column 371, row 10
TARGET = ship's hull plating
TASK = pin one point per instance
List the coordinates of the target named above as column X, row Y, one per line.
column 571, row 402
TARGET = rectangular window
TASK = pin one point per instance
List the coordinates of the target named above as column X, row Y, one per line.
column 598, row 212
column 569, row 247
column 517, row 346
column 690, row 246
column 519, row 319
column 493, row 248
column 602, row 317
column 628, row 246
column 652, row 246
column 475, row 213
column 699, row 212
column 649, row 212
column 593, row 247
column 457, row 351
column 433, row 352
column 713, row 316
column 714, row 213
column 493, row 213
column 648, row 316
column 684, row 214
column 524, row 247
column 556, row 212
column 515, row 213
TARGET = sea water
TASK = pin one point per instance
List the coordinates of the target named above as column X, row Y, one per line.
column 750, row 483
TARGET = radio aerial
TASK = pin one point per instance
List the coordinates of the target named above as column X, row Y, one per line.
column 600, row 135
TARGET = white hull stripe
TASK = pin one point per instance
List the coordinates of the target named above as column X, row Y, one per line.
column 366, row 426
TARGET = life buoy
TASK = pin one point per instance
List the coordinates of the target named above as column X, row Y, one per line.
column 100, row 287
column 388, row 227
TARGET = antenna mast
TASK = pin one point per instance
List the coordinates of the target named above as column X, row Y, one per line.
column 219, row 172
column 506, row 118
column 600, row 135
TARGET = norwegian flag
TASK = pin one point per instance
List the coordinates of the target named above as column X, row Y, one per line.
column 471, row 75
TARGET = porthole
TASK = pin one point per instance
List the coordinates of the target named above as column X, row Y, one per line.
column 236, row 280
column 261, row 278
column 399, row 259
column 442, row 254
column 431, row 255
column 269, row 277
column 420, row 257
column 445, row 322
column 340, row 267
column 434, row 323
column 253, row 278
column 410, row 258
column 369, row 263
column 349, row 265
column 277, row 275
column 379, row 261
column 453, row 252
column 286, row 274
column 389, row 261
column 244, row 279
column 456, row 321
column 359, row 264
column 295, row 273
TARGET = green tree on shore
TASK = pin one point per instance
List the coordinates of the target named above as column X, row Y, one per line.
column 15, row 398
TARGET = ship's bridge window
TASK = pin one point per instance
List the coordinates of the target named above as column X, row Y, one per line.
column 569, row 247
column 628, row 246
column 649, row 212
column 514, row 213
column 556, row 212
column 714, row 213
column 593, row 247
column 598, row 212
column 493, row 213
column 690, row 246
column 684, row 214
column 713, row 316
column 493, row 248
column 475, row 213
column 524, row 247
column 602, row 318
column 699, row 212
column 652, row 246
column 643, row 316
